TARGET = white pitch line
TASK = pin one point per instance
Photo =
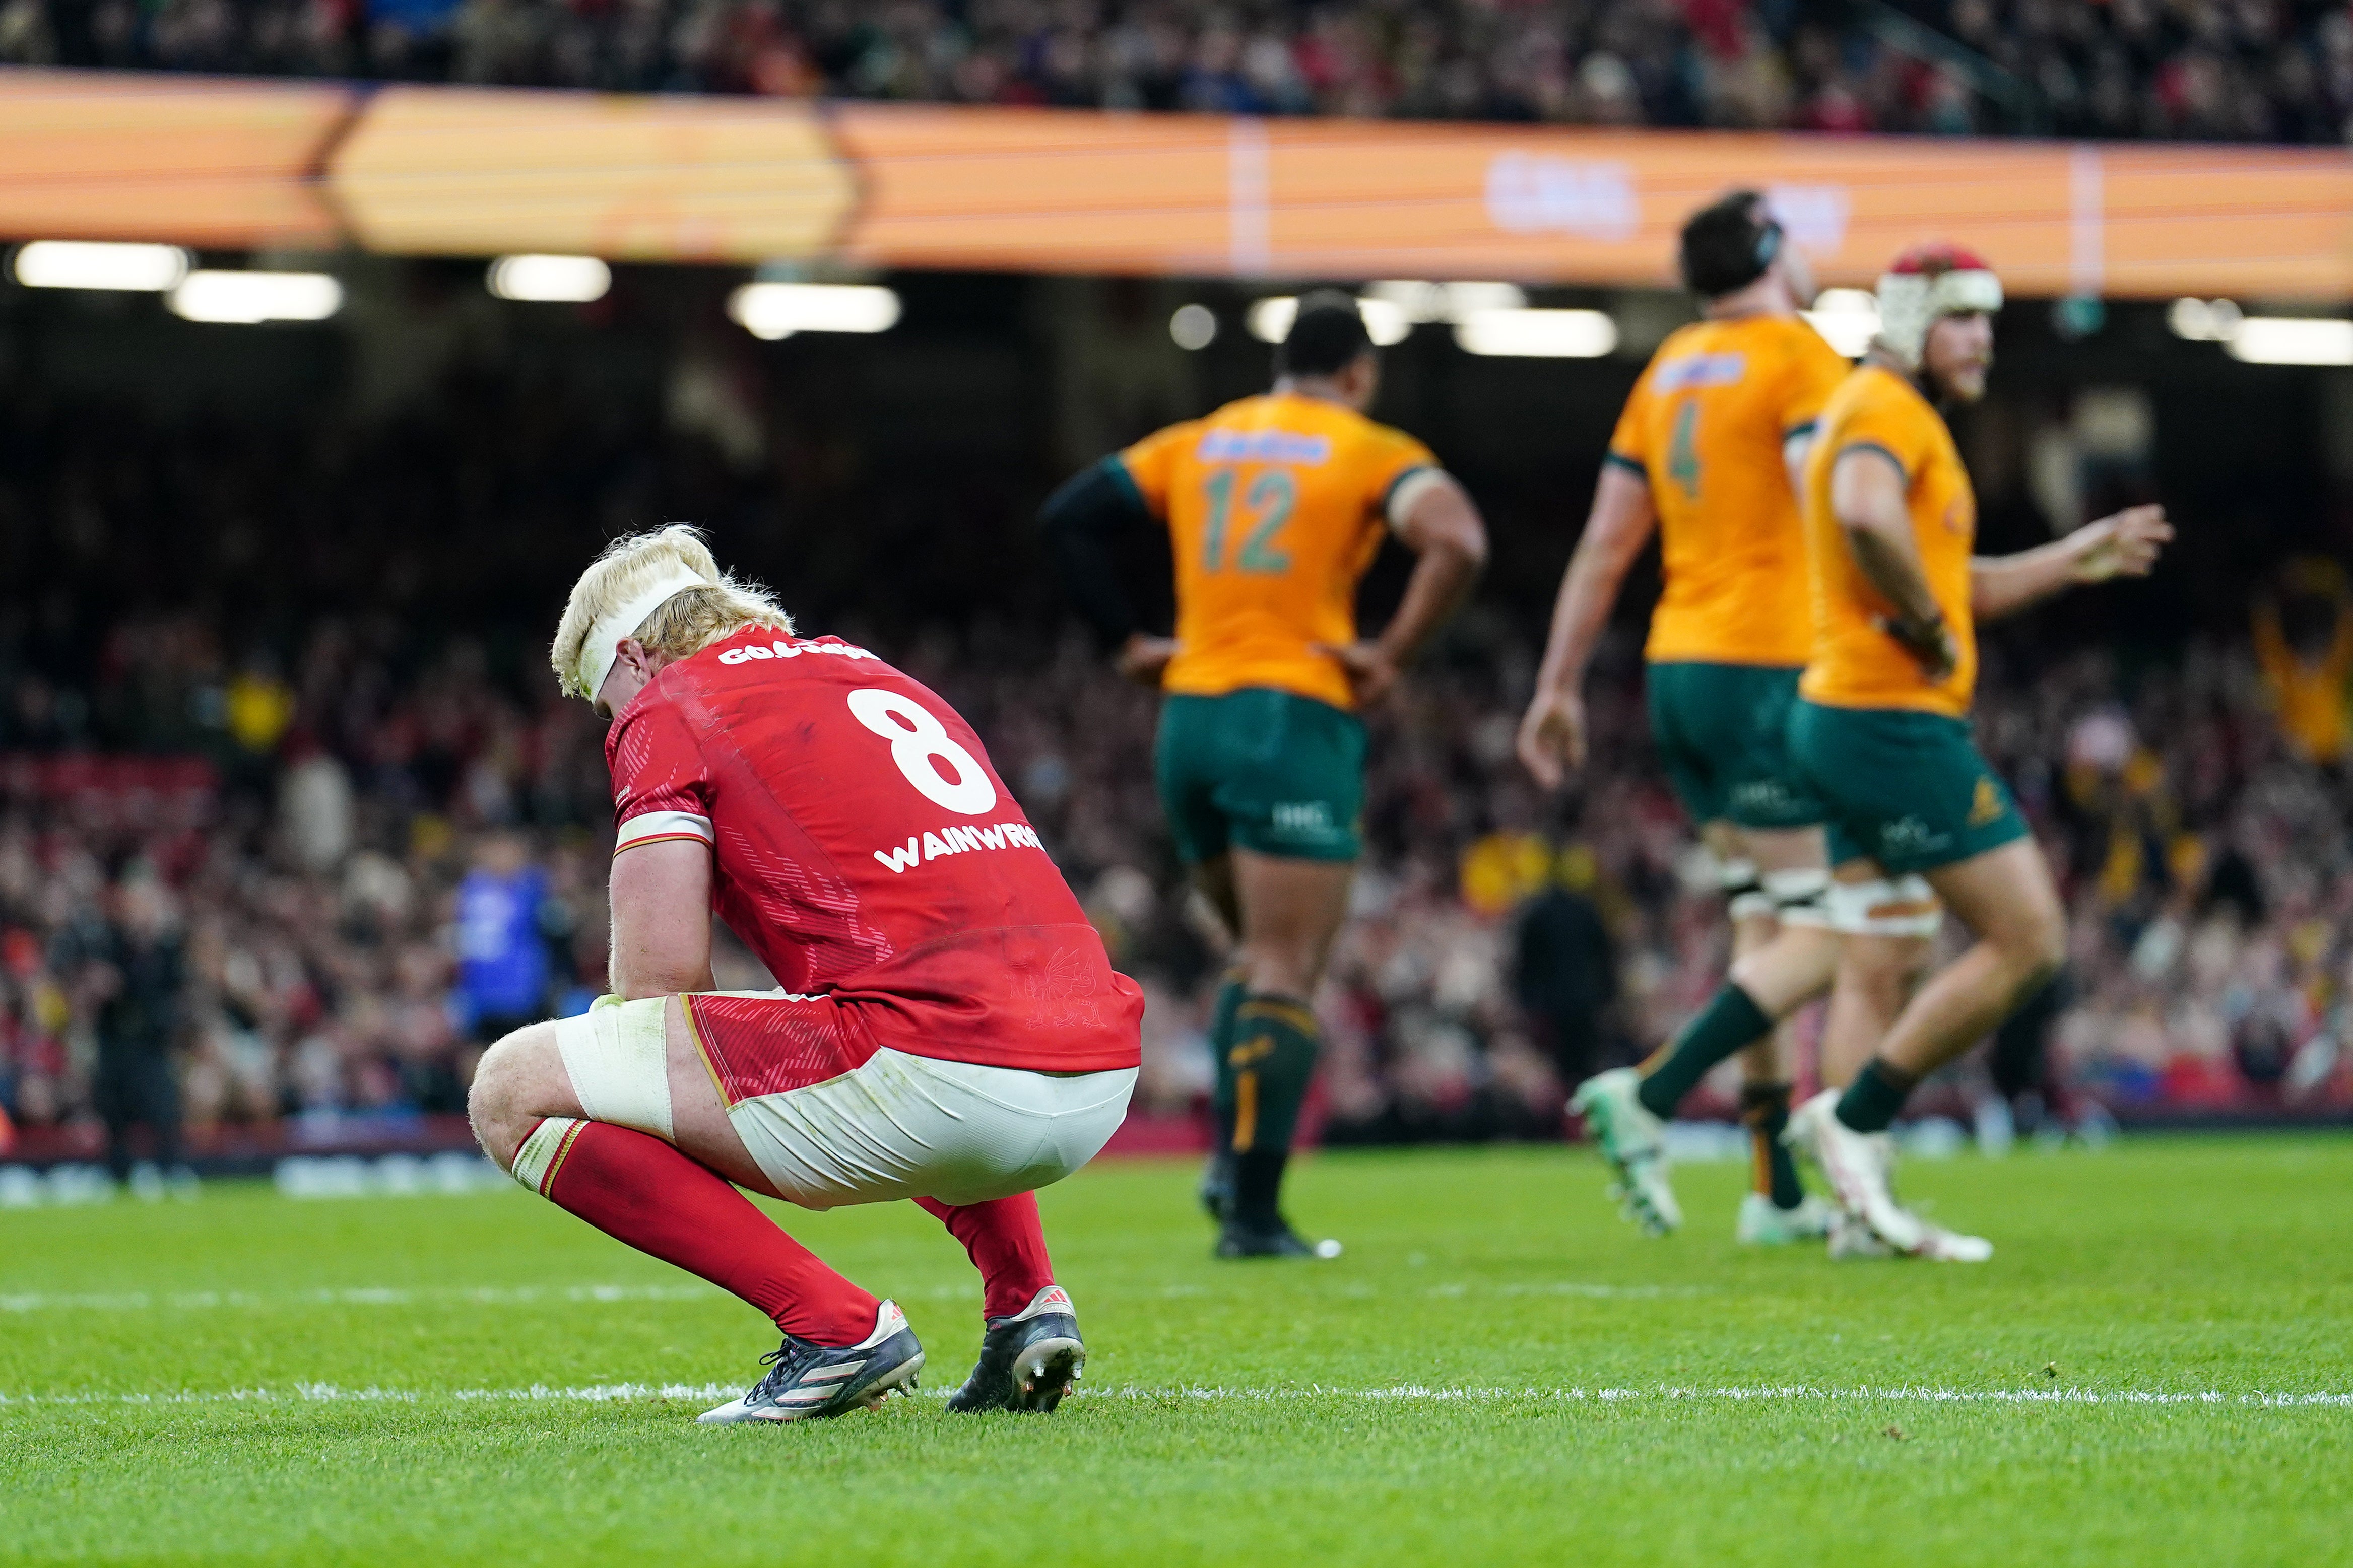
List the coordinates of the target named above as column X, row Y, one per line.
column 366, row 1296
column 331, row 1394
column 1783, row 1394
column 1796, row 1393
column 532, row 1295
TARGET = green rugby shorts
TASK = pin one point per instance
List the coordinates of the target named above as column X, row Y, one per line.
column 1722, row 730
column 1906, row 789
column 1271, row 770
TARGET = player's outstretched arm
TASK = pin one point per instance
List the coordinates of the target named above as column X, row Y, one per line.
column 1443, row 528
column 2124, row 545
column 1552, row 732
column 1081, row 521
column 1867, row 497
column 661, row 920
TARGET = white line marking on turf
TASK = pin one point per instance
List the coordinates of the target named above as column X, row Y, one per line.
column 1793, row 1393
column 328, row 1394
column 1580, row 1287
column 611, row 1393
column 371, row 1296
column 530, row 1294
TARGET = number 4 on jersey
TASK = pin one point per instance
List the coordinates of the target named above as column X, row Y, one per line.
column 1683, row 450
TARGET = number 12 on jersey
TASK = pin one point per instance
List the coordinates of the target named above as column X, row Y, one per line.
column 1269, row 502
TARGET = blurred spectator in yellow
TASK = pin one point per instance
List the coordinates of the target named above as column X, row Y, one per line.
column 1503, row 869
column 260, row 706
column 2304, row 641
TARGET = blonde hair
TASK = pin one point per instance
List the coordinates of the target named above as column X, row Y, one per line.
column 686, row 622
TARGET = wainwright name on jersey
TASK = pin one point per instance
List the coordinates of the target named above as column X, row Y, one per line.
column 865, row 850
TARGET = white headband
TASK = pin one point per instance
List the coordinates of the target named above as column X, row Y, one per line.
column 603, row 647
column 1911, row 302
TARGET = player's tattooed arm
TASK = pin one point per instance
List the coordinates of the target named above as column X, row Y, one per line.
column 661, row 920
column 2125, row 545
column 1551, row 733
column 1867, row 497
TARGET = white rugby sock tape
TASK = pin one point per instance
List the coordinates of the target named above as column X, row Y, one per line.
column 541, row 1153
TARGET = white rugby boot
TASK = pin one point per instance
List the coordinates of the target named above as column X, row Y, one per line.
column 1858, row 1166
column 1850, row 1240
column 1764, row 1222
column 1634, row 1143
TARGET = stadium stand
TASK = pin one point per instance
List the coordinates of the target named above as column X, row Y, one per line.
column 2200, row 70
column 308, row 789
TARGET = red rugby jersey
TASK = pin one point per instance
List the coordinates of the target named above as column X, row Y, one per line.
column 866, row 850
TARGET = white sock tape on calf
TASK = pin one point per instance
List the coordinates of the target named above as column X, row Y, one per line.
column 540, row 1152
column 1800, row 895
column 1745, row 897
column 618, row 1066
column 1900, row 906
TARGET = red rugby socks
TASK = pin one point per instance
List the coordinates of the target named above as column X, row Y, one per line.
column 637, row 1189
column 1006, row 1244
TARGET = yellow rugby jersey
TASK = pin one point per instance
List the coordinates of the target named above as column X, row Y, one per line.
column 1704, row 426
column 1275, row 506
column 1856, row 663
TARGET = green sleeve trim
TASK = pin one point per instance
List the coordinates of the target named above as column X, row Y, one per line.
column 1116, row 467
column 1883, row 451
column 1627, row 463
column 1389, row 492
column 1803, row 427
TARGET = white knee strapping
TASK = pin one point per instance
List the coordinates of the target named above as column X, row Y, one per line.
column 1800, row 895
column 542, row 1152
column 1895, row 906
column 618, row 1067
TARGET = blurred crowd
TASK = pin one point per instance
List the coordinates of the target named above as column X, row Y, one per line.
column 373, row 871
column 2274, row 70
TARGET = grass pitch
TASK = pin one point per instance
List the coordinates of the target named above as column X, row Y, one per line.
column 1498, row 1371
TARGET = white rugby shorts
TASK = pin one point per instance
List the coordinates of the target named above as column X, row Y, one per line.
column 895, row 1125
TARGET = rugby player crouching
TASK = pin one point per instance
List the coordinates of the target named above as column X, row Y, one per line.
column 949, row 1029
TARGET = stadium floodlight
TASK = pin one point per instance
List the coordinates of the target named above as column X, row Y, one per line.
column 2204, row 321
column 1461, row 299
column 1425, row 301
column 552, row 279
column 772, row 310
column 1538, row 334
column 1848, row 318
column 2292, row 340
column 1385, row 321
column 247, row 298
column 1193, row 326
column 1269, row 320
column 88, row 264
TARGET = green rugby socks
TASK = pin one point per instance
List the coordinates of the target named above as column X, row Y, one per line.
column 1221, row 1044
column 1765, row 1111
column 1271, row 1059
column 1877, row 1093
column 1729, row 1023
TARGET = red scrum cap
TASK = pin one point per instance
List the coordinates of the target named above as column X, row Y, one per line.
column 1928, row 281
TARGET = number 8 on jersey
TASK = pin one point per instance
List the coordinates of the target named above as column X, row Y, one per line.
column 919, row 742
